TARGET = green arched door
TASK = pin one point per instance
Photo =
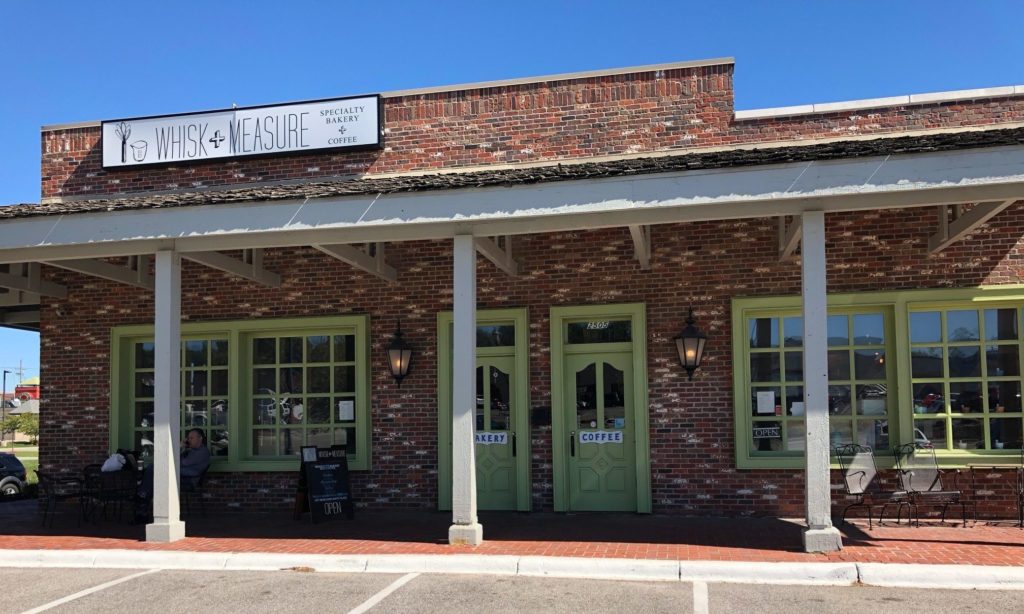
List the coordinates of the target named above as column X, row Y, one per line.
column 599, row 412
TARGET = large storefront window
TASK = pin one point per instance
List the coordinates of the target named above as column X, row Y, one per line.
column 204, row 392
column 303, row 392
column 304, row 382
column 858, row 381
column 939, row 368
column 966, row 377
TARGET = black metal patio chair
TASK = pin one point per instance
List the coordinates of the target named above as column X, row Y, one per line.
column 857, row 464
column 921, row 478
column 103, row 490
column 55, row 488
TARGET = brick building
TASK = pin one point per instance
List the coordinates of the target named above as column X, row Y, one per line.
column 605, row 206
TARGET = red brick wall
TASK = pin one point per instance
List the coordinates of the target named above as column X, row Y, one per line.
column 703, row 264
column 558, row 120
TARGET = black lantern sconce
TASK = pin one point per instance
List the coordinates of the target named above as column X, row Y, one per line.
column 399, row 355
column 690, row 345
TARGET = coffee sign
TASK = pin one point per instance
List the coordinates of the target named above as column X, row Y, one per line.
column 306, row 126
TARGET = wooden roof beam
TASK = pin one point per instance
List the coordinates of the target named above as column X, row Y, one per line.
column 499, row 251
column 641, row 245
column 789, row 239
column 250, row 266
column 369, row 259
column 962, row 224
column 135, row 273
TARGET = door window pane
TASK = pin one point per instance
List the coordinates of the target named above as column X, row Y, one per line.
column 614, row 398
column 599, row 331
column 586, row 398
column 495, row 335
column 499, row 400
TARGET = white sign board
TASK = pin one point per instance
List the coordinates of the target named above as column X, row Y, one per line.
column 252, row 131
column 488, row 438
column 600, row 436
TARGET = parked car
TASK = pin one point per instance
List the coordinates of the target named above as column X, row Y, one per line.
column 12, row 475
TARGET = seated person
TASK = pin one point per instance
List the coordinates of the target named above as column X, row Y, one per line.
column 195, row 459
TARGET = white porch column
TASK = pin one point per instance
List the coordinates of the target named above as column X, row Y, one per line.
column 820, row 535
column 167, row 525
column 465, row 529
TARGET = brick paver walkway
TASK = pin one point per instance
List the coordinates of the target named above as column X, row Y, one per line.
column 579, row 535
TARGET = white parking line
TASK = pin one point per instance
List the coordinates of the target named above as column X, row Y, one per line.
column 700, row 597
column 394, row 586
column 88, row 591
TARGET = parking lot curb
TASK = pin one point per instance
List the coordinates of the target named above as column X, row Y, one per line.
column 942, row 576
column 745, row 572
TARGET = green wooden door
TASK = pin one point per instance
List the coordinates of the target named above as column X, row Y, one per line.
column 600, row 418
column 496, row 439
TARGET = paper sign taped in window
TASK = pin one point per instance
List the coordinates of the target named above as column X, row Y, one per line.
column 346, row 411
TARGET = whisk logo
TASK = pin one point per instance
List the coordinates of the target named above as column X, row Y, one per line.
column 123, row 131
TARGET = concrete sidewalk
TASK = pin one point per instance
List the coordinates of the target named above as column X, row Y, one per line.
column 621, row 546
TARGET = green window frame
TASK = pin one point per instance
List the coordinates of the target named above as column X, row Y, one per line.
column 966, row 375
column 770, row 381
column 320, row 397
column 953, row 364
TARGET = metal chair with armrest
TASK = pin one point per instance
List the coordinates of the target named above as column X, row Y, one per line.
column 921, row 478
column 857, row 464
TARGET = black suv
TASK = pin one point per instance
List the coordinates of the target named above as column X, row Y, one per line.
column 12, row 475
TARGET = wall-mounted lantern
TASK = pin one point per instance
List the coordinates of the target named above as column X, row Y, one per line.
column 690, row 345
column 399, row 355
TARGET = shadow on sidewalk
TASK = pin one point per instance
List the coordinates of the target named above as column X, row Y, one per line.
column 22, row 518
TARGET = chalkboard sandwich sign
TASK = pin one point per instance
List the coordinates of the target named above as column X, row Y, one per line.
column 324, row 485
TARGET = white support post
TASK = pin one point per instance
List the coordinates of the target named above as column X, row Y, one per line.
column 167, row 525
column 465, row 528
column 820, row 535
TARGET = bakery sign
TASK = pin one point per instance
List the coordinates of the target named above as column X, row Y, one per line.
column 341, row 123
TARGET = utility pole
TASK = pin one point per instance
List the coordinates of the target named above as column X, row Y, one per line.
column 3, row 407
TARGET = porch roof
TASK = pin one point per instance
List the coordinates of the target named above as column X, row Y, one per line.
column 944, row 168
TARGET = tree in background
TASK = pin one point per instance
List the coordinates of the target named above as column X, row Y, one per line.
column 28, row 424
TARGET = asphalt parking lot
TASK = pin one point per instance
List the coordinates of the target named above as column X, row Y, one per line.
column 132, row 591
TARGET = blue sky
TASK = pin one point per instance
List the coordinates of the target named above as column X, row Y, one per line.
column 76, row 61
